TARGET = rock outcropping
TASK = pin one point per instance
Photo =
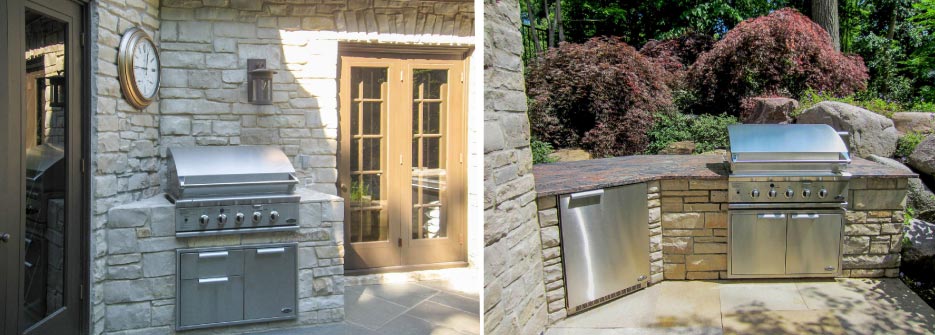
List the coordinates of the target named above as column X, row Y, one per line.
column 870, row 133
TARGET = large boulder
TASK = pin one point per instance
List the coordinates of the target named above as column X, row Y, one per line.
column 920, row 197
column 918, row 253
column 870, row 133
column 679, row 148
column 770, row 110
column 923, row 158
column 915, row 122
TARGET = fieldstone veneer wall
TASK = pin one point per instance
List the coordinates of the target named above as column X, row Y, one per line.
column 204, row 50
column 694, row 229
column 873, row 228
column 514, row 292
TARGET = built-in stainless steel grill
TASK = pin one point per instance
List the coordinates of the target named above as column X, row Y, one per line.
column 231, row 190
column 787, row 193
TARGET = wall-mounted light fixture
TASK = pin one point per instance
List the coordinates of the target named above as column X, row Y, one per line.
column 57, row 90
column 259, row 82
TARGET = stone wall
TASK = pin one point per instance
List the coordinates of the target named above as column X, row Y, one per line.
column 204, row 50
column 514, row 292
column 552, row 249
column 124, row 159
column 873, row 230
column 694, row 228
column 139, row 285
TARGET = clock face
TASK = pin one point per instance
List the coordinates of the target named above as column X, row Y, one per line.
column 146, row 68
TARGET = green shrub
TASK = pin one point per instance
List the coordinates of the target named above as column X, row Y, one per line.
column 709, row 132
column 907, row 143
column 540, row 151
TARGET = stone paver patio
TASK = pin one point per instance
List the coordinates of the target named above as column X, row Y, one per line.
column 842, row 306
column 414, row 308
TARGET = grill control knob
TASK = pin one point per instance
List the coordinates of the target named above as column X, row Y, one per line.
column 257, row 216
column 222, row 219
column 238, row 219
column 273, row 215
column 772, row 193
column 806, row 193
column 203, row 220
column 755, row 193
column 822, row 193
column 789, row 193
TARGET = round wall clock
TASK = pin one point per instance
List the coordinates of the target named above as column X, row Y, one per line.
column 138, row 68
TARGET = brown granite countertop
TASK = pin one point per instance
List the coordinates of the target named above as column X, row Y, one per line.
column 569, row 177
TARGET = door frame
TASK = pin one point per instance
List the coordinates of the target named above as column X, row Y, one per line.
column 396, row 58
column 76, row 14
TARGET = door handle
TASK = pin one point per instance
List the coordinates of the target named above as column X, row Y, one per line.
column 805, row 216
column 587, row 194
column 4, row 237
column 268, row 251
column 212, row 280
column 771, row 216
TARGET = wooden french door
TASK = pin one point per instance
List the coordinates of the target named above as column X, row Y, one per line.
column 401, row 168
column 41, row 181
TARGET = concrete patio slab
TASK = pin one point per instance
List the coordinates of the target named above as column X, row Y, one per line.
column 412, row 308
column 814, row 306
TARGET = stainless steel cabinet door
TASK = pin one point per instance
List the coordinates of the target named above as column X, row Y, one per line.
column 270, row 282
column 605, row 242
column 814, row 243
column 758, row 244
column 211, row 300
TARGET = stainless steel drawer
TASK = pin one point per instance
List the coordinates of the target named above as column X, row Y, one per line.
column 210, row 300
column 270, row 282
column 210, row 264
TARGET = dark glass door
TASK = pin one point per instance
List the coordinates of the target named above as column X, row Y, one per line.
column 39, row 238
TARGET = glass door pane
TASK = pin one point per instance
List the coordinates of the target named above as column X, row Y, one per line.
column 368, row 206
column 429, row 175
column 44, row 111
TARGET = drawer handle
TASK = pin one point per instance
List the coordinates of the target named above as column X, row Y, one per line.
column 217, row 254
column 587, row 194
column 212, row 280
column 268, row 251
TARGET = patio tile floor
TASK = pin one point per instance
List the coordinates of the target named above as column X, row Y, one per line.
column 822, row 306
column 419, row 308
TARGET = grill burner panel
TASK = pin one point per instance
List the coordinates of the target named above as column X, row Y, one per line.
column 231, row 190
column 781, row 190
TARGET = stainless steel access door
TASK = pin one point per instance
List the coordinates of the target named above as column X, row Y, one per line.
column 270, row 291
column 605, row 243
column 814, row 243
column 757, row 243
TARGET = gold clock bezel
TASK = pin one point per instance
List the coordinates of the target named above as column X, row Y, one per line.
column 131, row 92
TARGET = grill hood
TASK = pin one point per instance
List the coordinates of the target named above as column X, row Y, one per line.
column 776, row 149
column 232, row 171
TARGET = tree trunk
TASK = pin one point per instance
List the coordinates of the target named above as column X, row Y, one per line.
column 891, row 30
column 825, row 14
column 545, row 9
column 533, row 28
column 558, row 20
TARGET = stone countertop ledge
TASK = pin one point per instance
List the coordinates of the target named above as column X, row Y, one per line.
column 570, row 177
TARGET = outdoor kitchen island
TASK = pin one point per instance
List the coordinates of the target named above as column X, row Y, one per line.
column 141, row 268
column 687, row 204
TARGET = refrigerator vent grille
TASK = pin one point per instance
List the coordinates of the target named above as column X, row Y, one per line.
column 606, row 298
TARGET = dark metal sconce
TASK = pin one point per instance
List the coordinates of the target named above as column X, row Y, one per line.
column 57, row 88
column 259, row 82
